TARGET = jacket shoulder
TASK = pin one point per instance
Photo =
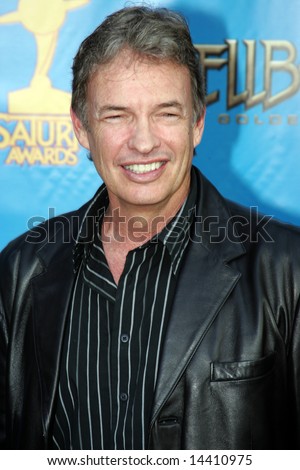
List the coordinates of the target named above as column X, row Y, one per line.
column 62, row 228
column 29, row 254
column 259, row 227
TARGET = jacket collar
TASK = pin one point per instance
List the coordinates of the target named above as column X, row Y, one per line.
column 217, row 225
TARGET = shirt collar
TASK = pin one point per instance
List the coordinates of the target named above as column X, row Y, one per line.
column 176, row 234
column 89, row 226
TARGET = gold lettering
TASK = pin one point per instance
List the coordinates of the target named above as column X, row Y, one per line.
column 65, row 135
column 275, row 119
column 44, row 127
column 242, row 119
column 48, row 141
column 72, row 159
column 34, row 155
column 14, row 157
column 67, row 157
column 60, row 156
column 252, row 99
column 257, row 121
column 286, row 65
column 292, row 119
column 21, row 134
column 233, row 99
column 4, row 138
column 272, row 119
column 49, row 156
column 223, row 119
column 211, row 63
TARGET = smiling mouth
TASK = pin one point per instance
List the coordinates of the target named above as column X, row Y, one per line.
column 144, row 168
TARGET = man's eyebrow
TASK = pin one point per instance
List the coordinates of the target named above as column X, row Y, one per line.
column 170, row 104
column 100, row 110
column 110, row 108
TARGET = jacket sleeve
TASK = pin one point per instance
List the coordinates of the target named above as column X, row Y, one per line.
column 285, row 278
column 9, row 267
column 3, row 351
column 294, row 381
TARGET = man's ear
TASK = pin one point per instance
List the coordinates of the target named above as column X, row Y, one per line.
column 80, row 131
column 199, row 128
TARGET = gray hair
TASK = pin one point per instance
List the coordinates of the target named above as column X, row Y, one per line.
column 155, row 33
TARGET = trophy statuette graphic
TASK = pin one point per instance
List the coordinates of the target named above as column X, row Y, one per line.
column 43, row 18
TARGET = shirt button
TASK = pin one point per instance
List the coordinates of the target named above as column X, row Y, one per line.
column 124, row 338
column 124, row 396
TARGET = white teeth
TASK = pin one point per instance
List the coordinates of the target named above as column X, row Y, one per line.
column 144, row 168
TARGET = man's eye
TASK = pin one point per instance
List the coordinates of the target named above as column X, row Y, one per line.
column 169, row 115
column 113, row 117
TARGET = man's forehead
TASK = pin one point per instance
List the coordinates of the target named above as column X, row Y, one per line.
column 129, row 60
column 135, row 80
column 139, row 85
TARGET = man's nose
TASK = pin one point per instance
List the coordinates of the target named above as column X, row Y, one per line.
column 143, row 137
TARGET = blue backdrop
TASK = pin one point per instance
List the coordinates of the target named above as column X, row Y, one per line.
column 250, row 146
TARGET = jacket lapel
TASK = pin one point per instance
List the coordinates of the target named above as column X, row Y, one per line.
column 52, row 290
column 197, row 302
column 205, row 282
column 51, row 294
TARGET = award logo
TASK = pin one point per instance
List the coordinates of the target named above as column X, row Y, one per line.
column 36, row 129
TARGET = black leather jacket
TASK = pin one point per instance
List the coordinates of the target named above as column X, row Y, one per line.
column 230, row 368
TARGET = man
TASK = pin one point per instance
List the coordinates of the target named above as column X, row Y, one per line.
column 159, row 315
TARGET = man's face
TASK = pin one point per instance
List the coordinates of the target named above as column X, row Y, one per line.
column 141, row 131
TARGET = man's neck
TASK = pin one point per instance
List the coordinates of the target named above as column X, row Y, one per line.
column 126, row 227
column 132, row 226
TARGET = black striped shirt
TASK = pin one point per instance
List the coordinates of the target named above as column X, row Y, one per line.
column 114, row 335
